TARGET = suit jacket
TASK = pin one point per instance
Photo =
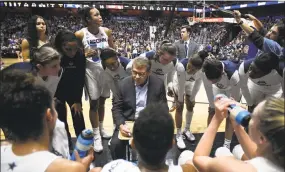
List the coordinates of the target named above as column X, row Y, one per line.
column 124, row 102
column 193, row 48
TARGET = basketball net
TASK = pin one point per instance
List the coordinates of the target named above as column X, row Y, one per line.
column 191, row 20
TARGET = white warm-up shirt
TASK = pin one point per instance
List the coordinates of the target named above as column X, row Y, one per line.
column 185, row 79
column 229, row 81
column 113, row 77
column 271, row 82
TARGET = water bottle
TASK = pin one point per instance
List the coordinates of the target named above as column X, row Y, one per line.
column 83, row 144
column 241, row 116
column 93, row 46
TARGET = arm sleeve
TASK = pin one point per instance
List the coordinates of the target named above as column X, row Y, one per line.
column 117, row 108
column 256, row 39
column 196, row 88
column 262, row 31
column 243, row 84
column 209, row 91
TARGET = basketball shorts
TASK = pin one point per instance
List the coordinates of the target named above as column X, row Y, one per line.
column 95, row 85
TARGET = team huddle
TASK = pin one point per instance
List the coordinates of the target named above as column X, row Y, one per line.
column 86, row 61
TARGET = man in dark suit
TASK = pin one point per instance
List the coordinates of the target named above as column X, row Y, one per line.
column 185, row 48
column 134, row 93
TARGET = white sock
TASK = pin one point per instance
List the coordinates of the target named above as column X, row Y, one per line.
column 100, row 124
column 188, row 120
column 178, row 132
column 96, row 131
column 227, row 143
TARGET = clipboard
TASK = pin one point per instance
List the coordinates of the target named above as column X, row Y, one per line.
column 130, row 124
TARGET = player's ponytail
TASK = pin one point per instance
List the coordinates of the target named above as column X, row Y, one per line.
column 84, row 13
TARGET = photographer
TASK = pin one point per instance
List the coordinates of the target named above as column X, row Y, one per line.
column 273, row 40
column 264, row 145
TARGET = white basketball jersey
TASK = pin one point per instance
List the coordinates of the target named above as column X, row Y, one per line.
column 34, row 162
column 91, row 41
column 269, row 82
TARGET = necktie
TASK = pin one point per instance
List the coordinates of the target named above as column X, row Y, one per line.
column 186, row 48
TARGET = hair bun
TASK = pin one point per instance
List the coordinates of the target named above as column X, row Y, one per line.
column 165, row 42
column 203, row 54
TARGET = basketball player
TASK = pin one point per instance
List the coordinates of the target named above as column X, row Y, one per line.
column 45, row 66
column 37, row 36
column 70, row 87
column 192, row 79
column 114, row 66
column 115, row 70
column 164, row 64
column 221, row 77
column 95, row 37
column 261, row 78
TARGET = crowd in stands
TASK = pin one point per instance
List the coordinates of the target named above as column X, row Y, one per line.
column 55, row 71
column 132, row 37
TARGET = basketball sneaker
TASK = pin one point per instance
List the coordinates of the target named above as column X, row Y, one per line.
column 189, row 136
column 98, row 147
column 104, row 134
column 180, row 142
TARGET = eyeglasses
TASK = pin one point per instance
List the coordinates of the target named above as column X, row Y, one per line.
column 141, row 75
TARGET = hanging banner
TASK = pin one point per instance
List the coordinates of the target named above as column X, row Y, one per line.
column 192, row 20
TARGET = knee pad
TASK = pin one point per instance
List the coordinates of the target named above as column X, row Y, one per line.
column 238, row 152
column 94, row 104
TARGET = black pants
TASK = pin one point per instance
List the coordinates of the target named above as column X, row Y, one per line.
column 118, row 147
column 78, row 119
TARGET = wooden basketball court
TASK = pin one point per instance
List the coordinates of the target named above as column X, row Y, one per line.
column 198, row 125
